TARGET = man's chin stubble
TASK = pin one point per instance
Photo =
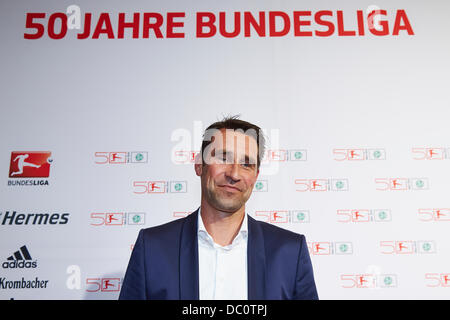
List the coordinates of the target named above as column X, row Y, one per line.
column 221, row 205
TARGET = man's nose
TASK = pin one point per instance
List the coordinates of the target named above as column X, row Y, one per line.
column 233, row 172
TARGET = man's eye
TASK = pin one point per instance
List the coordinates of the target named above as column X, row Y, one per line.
column 247, row 164
column 222, row 157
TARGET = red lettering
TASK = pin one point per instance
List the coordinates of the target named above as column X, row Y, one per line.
column 360, row 17
column 103, row 20
column 401, row 15
column 237, row 25
column 272, row 24
column 298, row 23
column 34, row 25
column 384, row 24
column 51, row 25
column 279, row 24
column 87, row 27
column 260, row 27
column 209, row 24
column 133, row 24
column 171, row 24
column 319, row 21
column 340, row 23
column 147, row 25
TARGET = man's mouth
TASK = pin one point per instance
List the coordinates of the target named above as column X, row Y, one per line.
column 230, row 188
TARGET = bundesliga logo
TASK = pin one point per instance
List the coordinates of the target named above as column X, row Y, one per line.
column 29, row 164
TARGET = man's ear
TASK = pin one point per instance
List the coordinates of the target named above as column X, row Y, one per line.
column 198, row 166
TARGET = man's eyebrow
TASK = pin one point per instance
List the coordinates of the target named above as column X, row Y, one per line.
column 223, row 151
column 249, row 159
column 246, row 158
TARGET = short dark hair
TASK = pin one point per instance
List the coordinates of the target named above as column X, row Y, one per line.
column 232, row 122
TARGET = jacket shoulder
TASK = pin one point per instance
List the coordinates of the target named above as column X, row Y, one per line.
column 272, row 231
column 164, row 231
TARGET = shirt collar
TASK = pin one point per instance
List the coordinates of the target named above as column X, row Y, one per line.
column 205, row 236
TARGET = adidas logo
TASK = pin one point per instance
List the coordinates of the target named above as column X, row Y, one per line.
column 20, row 259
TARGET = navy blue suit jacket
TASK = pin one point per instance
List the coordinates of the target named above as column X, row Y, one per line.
column 164, row 263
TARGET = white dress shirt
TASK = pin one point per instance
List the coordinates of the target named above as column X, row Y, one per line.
column 222, row 269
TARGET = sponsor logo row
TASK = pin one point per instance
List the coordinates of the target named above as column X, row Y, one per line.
column 409, row 247
column 379, row 281
column 36, row 164
column 346, row 281
column 338, row 154
column 22, row 259
column 300, row 185
column 122, row 218
column 32, row 168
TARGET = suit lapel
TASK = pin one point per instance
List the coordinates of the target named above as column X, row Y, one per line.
column 256, row 261
column 189, row 258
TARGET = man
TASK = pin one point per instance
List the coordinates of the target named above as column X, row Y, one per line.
column 218, row 251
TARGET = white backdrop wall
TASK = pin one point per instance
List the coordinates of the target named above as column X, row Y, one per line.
column 358, row 159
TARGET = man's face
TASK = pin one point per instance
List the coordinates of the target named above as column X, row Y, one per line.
column 230, row 170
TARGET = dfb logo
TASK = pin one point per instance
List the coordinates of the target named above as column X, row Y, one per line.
column 261, row 186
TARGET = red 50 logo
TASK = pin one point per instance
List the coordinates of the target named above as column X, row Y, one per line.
column 117, row 218
column 407, row 247
column 149, row 187
column 429, row 153
column 385, row 184
column 358, row 154
column 363, row 215
column 121, row 157
column 442, row 214
column 434, row 280
column 103, row 284
column 181, row 214
column 283, row 155
column 329, row 248
column 318, row 185
column 284, row 216
column 368, row 281
column 275, row 216
column 279, row 155
column 182, row 156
